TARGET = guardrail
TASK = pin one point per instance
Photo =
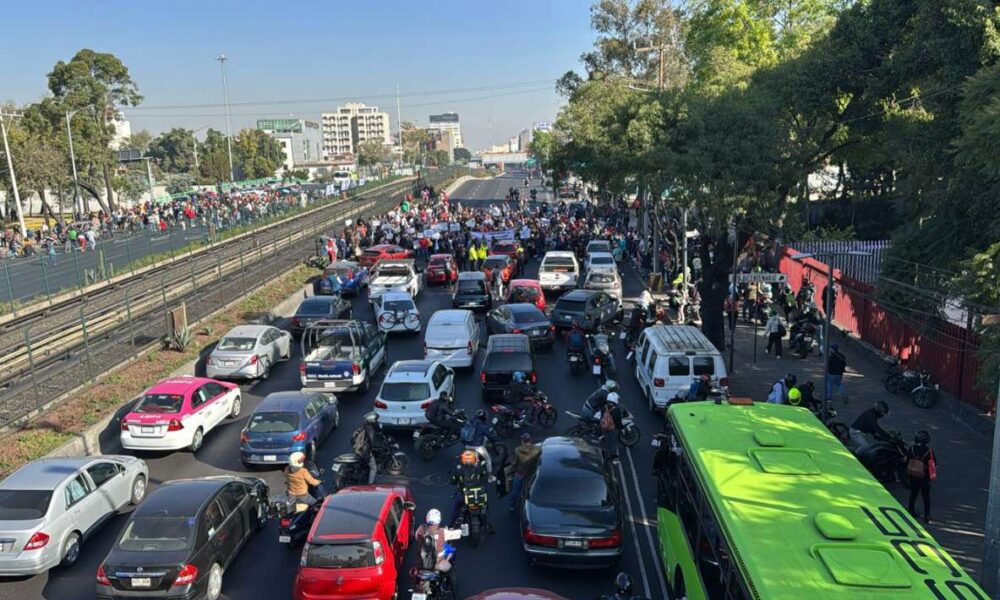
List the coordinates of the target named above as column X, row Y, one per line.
column 52, row 353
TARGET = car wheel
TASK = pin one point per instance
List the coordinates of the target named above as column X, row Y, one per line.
column 196, row 440
column 138, row 490
column 214, row 588
column 265, row 368
column 237, row 407
column 288, row 353
column 71, row 550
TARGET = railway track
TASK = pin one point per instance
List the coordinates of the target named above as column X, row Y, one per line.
column 55, row 350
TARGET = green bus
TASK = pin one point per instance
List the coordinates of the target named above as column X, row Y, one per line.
column 760, row 502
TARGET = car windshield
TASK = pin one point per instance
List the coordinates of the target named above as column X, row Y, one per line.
column 495, row 263
column 236, row 343
column 274, row 422
column 340, row 556
column 599, row 247
column 339, row 271
column 438, row 262
column 336, row 337
column 158, row 534
column 602, row 260
column 398, row 305
column 504, row 362
column 24, row 505
column 528, row 316
column 471, row 286
column 570, row 492
column 159, row 403
column 558, row 265
column 405, row 391
column 393, row 272
column 504, row 248
column 573, row 306
column 317, row 306
column 529, row 293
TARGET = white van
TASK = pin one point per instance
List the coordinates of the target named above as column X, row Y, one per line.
column 669, row 357
column 558, row 271
column 452, row 337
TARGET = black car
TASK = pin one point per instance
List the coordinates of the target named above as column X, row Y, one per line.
column 178, row 543
column 522, row 318
column 570, row 508
column 589, row 308
column 319, row 307
column 472, row 290
column 505, row 355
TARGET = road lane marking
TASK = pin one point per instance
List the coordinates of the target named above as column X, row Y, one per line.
column 635, row 536
column 649, row 536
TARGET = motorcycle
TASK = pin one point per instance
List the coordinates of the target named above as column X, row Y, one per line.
column 540, row 411
column 429, row 438
column 350, row 469
column 884, row 459
column 576, row 361
column 295, row 518
column 915, row 383
column 430, row 584
column 628, row 434
column 599, row 348
column 803, row 339
column 473, row 517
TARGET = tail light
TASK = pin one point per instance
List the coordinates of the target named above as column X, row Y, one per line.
column 612, row 541
column 102, row 579
column 210, row 360
column 658, row 382
column 187, row 575
column 175, row 425
column 495, row 408
column 253, row 359
column 37, row 541
column 296, row 322
column 534, row 377
column 124, row 425
column 482, row 377
column 244, row 437
column 426, row 405
column 531, row 537
column 356, row 368
column 468, row 347
column 378, row 552
column 380, row 404
column 552, row 328
column 284, row 522
column 597, row 360
column 518, row 331
column 302, row 368
column 724, row 382
column 299, row 437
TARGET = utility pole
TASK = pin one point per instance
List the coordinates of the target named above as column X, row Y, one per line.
column 10, row 167
column 684, row 267
column 194, row 140
column 222, row 58
column 72, row 160
column 991, row 547
column 399, row 126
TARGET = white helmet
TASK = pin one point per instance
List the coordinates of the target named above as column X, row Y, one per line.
column 297, row 459
column 613, row 398
column 610, row 385
column 433, row 517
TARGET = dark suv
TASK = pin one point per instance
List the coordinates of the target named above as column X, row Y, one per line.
column 506, row 354
column 472, row 290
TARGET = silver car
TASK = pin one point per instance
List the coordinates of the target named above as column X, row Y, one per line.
column 606, row 281
column 248, row 352
column 49, row 507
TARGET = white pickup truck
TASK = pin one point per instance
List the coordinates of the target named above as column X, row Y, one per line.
column 558, row 271
column 394, row 275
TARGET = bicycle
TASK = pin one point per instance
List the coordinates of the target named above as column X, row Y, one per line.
column 410, row 321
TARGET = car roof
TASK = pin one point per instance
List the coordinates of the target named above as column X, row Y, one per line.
column 503, row 257
column 608, row 242
column 177, row 385
column 433, row 256
column 577, row 294
column 559, row 253
column 453, row 315
column 471, row 275
column 354, row 512
column 247, row 330
column 565, row 456
column 45, row 473
column 284, row 401
column 601, row 255
column 508, row 341
column 182, row 497
column 380, row 247
column 410, row 369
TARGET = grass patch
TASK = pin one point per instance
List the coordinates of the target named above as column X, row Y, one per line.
column 58, row 425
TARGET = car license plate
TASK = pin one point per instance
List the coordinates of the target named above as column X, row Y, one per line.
column 465, row 529
column 416, row 435
column 142, row 582
column 270, row 457
column 284, row 539
column 230, row 363
column 145, row 429
column 418, row 596
column 567, row 317
column 596, row 369
column 655, row 443
column 622, row 335
column 536, row 333
column 574, row 358
column 574, row 544
column 329, row 384
column 336, row 467
column 403, row 421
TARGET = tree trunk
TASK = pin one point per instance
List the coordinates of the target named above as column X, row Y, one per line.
column 96, row 195
column 714, row 285
column 46, row 208
column 111, row 193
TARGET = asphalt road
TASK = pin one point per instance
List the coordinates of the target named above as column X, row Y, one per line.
column 264, row 569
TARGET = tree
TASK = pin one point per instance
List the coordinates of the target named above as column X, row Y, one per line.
column 178, row 183
column 415, row 141
column 462, row 155
column 102, row 81
column 371, row 154
column 438, row 158
column 299, row 174
column 173, row 151
column 139, row 140
column 256, row 155
column 213, row 158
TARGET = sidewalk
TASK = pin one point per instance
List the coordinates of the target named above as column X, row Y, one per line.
column 958, row 498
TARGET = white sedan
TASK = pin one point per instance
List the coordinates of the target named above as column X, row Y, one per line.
column 396, row 311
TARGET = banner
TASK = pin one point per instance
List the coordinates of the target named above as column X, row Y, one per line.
column 491, row 236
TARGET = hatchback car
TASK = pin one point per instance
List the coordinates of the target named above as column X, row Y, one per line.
column 49, row 507
column 318, row 308
column 441, row 268
column 501, row 262
column 522, row 318
column 351, row 275
column 178, row 543
column 396, row 311
column 408, row 389
column 526, row 290
column 570, row 509
column 176, row 413
column 286, row 422
column 606, row 281
column 248, row 352
column 383, row 251
column 589, row 308
column 357, row 545
column 472, row 290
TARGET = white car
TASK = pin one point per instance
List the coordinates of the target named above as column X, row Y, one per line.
column 605, row 280
column 600, row 261
column 452, row 337
column 598, row 246
column 248, row 352
column 558, row 271
column 408, row 389
column 394, row 276
column 396, row 311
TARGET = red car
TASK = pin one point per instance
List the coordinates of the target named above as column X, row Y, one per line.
column 357, row 544
column 376, row 253
column 529, row 289
column 441, row 268
column 498, row 261
column 516, row 594
column 507, row 248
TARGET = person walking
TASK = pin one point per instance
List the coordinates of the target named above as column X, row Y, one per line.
column 836, row 366
column 921, row 467
column 775, row 330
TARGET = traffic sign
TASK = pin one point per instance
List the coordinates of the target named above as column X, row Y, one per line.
column 761, row 278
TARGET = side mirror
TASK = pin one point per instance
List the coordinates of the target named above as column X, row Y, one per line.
column 409, row 505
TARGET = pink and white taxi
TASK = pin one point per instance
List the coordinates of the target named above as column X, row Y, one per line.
column 176, row 413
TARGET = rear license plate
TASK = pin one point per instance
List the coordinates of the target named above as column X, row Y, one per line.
column 329, row 384
column 465, row 529
column 416, row 435
column 142, row 582
column 335, row 467
column 596, row 369
column 230, row 363
column 145, row 429
column 402, row 421
column 622, row 335
column 418, row 596
column 574, row 544
column 284, row 539
column 536, row 332
column 270, row 457
column 567, row 317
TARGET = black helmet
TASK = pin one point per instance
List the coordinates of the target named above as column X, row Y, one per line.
column 791, row 379
column 922, row 437
column 623, row 583
column 481, row 414
column 371, row 418
column 881, row 407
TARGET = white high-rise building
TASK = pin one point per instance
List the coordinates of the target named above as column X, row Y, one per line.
column 300, row 139
column 352, row 125
column 448, row 122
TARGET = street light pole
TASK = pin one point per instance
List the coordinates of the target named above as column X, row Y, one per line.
column 77, row 201
column 194, row 140
column 10, row 168
column 222, row 58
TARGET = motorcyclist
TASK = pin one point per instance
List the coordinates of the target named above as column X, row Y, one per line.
column 867, row 424
column 474, row 435
column 623, row 589
column 298, row 479
column 700, row 389
column 779, row 393
column 518, row 389
column 430, row 537
column 442, row 413
column 373, row 441
column 470, row 476
column 804, row 395
column 594, row 403
column 576, row 339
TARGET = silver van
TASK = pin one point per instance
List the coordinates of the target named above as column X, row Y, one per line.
column 669, row 357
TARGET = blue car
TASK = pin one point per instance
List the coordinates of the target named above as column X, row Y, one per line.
column 351, row 276
column 287, row 422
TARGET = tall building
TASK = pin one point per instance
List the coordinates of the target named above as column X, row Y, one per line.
column 448, row 122
column 524, row 139
column 352, row 125
column 301, row 140
column 123, row 130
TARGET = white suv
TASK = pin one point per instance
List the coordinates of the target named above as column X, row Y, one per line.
column 395, row 311
column 408, row 389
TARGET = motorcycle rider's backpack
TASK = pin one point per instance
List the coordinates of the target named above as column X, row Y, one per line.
column 607, row 421
column 359, row 441
column 468, row 432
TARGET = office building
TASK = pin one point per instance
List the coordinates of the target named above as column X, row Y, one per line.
column 352, row 125
column 301, row 140
column 448, row 123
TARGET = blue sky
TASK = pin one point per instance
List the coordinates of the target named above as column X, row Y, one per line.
column 311, row 50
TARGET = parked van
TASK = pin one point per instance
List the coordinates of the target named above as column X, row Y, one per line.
column 669, row 357
column 559, row 270
column 452, row 337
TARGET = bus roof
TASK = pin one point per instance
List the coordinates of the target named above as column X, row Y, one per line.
column 802, row 516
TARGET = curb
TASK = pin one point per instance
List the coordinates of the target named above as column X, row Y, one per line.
column 454, row 185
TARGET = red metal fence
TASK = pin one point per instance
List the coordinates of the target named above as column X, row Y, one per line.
column 946, row 350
